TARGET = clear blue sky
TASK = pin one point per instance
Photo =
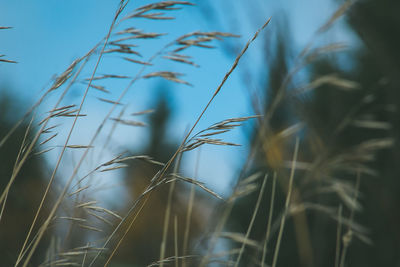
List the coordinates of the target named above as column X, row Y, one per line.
column 48, row 35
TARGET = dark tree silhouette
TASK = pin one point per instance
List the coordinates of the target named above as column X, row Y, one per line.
column 142, row 245
column 27, row 189
column 337, row 121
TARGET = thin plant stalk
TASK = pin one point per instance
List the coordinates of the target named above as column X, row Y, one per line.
column 22, row 251
column 168, row 214
column 227, row 211
column 176, row 241
column 190, row 210
column 253, row 217
column 148, row 189
column 166, row 167
column 348, row 236
column 166, row 220
column 287, row 203
column 61, row 197
column 339, row 234
column 268, row 232
column 233, row 67
column 299, row 64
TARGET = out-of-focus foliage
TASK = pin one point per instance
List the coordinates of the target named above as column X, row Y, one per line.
column 340, row 206
column 343, row 125
column 26, row 192
column 378, row 69
column 143, row 242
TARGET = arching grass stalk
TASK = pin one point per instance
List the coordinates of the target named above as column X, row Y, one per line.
column 159, row 176
column 287, row 203
column 61, row 197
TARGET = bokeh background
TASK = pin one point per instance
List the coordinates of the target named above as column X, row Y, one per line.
column 46, row 37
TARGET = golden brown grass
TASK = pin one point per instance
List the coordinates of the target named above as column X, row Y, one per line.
column 84, row 210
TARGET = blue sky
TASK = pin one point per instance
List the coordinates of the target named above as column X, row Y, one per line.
column 48, row 35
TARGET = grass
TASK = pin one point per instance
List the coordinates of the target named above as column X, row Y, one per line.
column 75, row 230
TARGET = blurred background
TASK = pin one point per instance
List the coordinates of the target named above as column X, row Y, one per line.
column 331, row 79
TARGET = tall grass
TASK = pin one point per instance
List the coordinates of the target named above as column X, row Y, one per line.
column 78, row 231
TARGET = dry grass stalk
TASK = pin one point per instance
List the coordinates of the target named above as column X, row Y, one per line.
column 129, row 122
column 245, row 187
column 56, row 85
column 166, row 5
column 109, row 101
column 173, row 259
column 360, row 153
column 202, row 137
column 6, row 60
column 159, row 178
column 181, row 59
column 149, row 189
column 287, row 203
column 347, row 237
column 1, row 59
column 338, row 235
column 42, row 130
column 253, row 217
column 168, row 75
column 268, row 231
column 189, row 211
column 177, row 177
column 240, row 238
column 166, row 222
column 176, row 241
column 168, row 214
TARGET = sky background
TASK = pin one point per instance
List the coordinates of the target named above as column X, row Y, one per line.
column 48, row 35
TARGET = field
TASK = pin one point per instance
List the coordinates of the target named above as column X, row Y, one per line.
column 316, row 182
